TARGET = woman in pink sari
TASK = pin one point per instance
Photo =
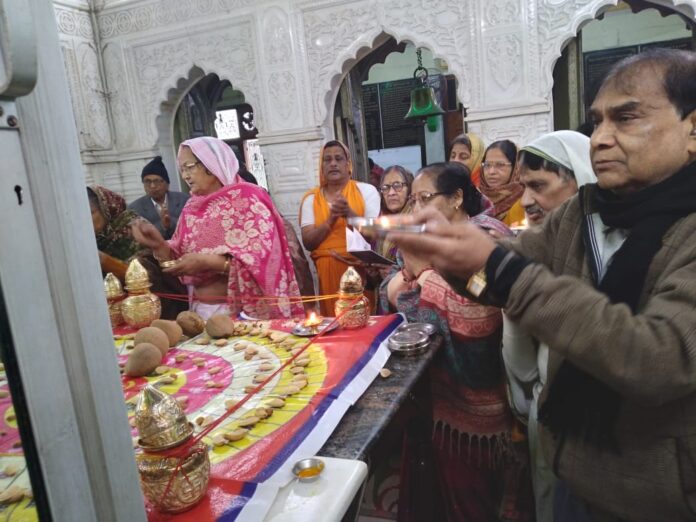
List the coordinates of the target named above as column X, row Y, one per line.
column 229, row 244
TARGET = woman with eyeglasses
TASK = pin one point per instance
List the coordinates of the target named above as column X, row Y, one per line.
column 395, row 186
column 476, row 472
column 500, row 181
column 323, row 215
column 230, row 245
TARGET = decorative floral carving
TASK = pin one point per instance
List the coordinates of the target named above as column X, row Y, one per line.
column 98, row 134
column 520, row 129
column 558, row 20
column 71, row 69
column 288, row 176
column 501, row 12
column 66, row 21
column 283, row 107
column 226, row 51
column 278, row 46
column 161, row 13
column 504, row 60
column 121, row 108
column 443, row 26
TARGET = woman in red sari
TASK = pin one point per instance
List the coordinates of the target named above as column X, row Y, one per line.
column 478, row 476
column 230, row 243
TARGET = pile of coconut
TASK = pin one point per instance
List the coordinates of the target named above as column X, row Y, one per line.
column 152, row 343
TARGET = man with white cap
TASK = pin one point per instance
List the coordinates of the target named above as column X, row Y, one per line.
column 552, row 169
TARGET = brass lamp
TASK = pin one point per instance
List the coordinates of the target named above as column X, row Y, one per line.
column 423, row 102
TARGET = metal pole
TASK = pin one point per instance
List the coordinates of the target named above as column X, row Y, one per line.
column 52, row 286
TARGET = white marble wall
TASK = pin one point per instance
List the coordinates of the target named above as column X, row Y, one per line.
column 289, row 58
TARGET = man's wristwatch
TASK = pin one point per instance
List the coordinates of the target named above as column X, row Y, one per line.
column 477, row 283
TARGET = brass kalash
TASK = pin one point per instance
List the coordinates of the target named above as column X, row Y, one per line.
column 173, row 481
column 114, row 295
column 141, row 307
column 352, row 301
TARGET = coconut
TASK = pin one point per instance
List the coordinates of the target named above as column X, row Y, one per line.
column 191, row 323
column 220, row 326
column 171, row 328
column 153, row 335
column 143, row 360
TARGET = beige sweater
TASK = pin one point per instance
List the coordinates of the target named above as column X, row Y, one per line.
column 649, row 358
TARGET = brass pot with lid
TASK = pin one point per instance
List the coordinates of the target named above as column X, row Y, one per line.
column 352, row 307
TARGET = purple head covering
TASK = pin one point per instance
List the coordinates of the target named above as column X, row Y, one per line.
column 216, row 156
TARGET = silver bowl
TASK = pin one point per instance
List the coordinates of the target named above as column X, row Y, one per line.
column 309, row 469
column 409, row 342
column 428, row 328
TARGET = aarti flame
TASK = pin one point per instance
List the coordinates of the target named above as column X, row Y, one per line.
column 518, row 226
column 313, row 320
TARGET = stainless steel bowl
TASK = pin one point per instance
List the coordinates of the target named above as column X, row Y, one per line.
column 428, row 328
column 309, row 469
column 409, row 342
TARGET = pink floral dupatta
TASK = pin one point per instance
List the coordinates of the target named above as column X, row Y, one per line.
column 238, row 220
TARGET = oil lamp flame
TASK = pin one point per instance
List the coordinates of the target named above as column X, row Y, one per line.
column 312, row 320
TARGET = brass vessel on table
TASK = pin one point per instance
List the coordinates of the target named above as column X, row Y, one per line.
column 141, row 307
column 140, row 310
column 114, row 295
column 175, row 484
column 160, row 420
column 358, row 311
column 175, row 480
column 352, row 308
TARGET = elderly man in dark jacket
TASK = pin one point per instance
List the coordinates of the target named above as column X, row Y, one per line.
column 608, row 282
column 160, row 206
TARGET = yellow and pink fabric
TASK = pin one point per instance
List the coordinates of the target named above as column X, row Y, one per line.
column 241, row 221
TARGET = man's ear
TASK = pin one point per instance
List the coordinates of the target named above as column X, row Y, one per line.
column 691, row 126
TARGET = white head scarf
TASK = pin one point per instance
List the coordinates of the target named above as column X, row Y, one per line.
column 569, row 149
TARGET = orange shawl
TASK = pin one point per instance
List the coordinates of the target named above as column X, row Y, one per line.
column 329, row 268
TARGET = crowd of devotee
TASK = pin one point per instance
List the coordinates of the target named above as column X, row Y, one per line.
column 560, row 274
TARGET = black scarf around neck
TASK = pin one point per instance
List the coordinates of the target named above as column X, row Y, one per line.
column 577, row 403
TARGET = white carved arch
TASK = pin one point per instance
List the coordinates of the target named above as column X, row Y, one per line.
column 175, row 92
column 346, row 58
column 559, row 34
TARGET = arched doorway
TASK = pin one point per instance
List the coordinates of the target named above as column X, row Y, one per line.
column 213, row 107
column 374, row 98
column 618, row 31
column 208, row 105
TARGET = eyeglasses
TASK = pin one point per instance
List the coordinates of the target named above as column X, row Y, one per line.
column 188, row 167
column 398, row 186
column 498, row 165
column 157, row 181
column 423, row 198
